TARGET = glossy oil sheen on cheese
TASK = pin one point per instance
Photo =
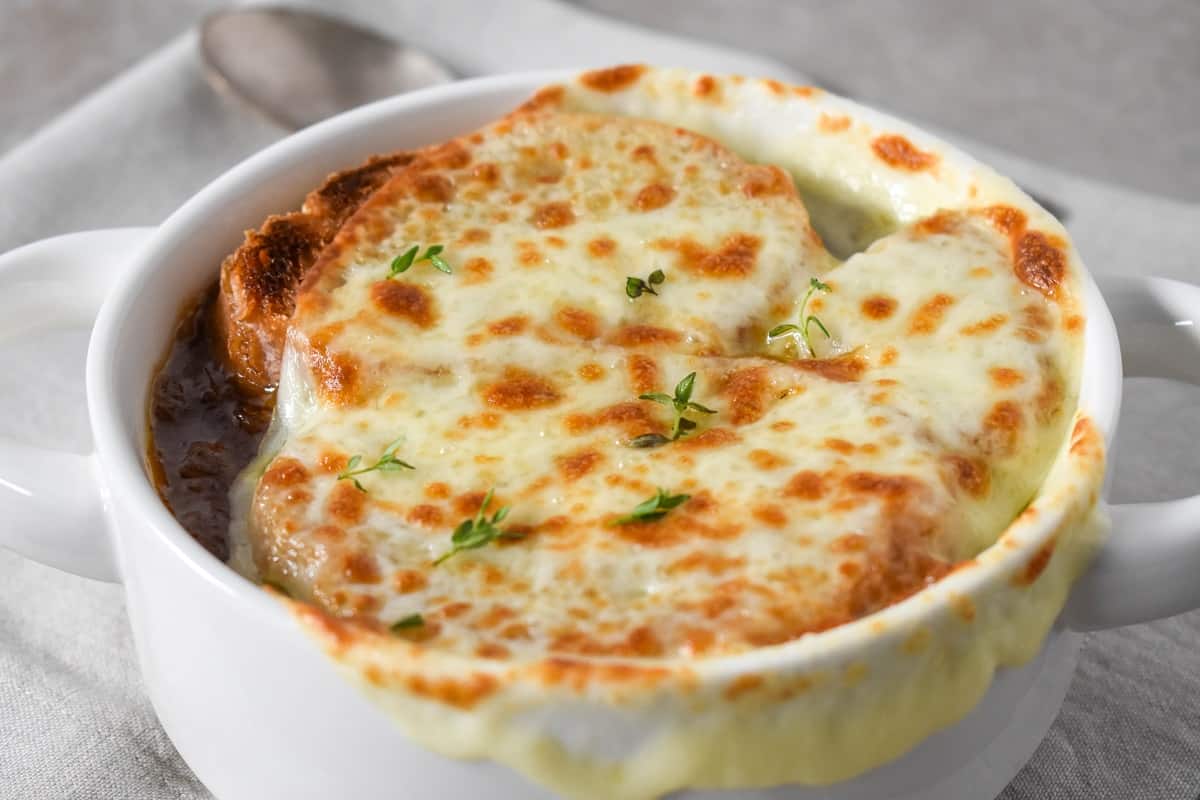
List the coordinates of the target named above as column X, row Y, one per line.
column 822, row 490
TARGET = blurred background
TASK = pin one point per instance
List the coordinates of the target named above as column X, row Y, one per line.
column 1105, row 88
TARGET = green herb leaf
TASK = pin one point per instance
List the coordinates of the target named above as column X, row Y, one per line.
column 387, row 462
column 682, row 403
column 477, row 532
column 636, row 287
column 408, row 623
column 402, row 262
column 653, row 508
column 649, row 440
column 788, row 329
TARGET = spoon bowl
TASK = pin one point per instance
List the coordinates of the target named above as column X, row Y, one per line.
column 299, row 67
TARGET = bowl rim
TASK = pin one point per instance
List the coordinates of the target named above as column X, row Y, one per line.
column 122, row 463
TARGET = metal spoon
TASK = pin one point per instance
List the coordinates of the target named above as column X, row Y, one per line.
column 298, row 67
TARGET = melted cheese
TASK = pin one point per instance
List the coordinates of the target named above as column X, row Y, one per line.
column 822, row 490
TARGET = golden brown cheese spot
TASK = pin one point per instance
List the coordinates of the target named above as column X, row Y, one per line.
column 984, row 326
column 653, row 196
column 553, row 215
column 736, row 256
column 433, row 188
column 833, row 123
column 574, row 466
column 889, row 356
column 492, row 650
column 591, row 372
column 360, row 567
column 773, row 86
column 613, row 79
column 713, row 437
column 645, row 153
column 437, row 490
column 1083, row 436
column 528, row 254
column 970, row 474
column 879, row 306
column 845, row 368
column 407, row 581
column 1035, row 323
column 601, row 247
column 1074, row 324
column 783, row 425
column 928, row 317
column 741, row 685
column 770, row 515
column 1039, row 263
column 521, row 390
column 746, row 392
column 766, row 460
column 405, row 300
column 346, row 503
column 285, row 472
column 426, row 516
column 1001, row 428
column 474, row 236
column 899, row 153
column 461, row 694
column 839, row 446
column 1006, row 219
column 479, row 270
column 487, row 174
column 633, row 417
column 706, row 87
column 547, row 97
column 337, row 374
column 805, row 485
column 644, row 374
column 1036, row 565
column 1049, row 399
column 329, row 534
column 509, row 326
column 765, row 180
column 578, row 322
column 941, row 223
column 643, row 335
column 964, row 607
column 1004, row 377
column 557, row 242
column 701, row 561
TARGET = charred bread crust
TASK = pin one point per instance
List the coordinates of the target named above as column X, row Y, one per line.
column 260, row 279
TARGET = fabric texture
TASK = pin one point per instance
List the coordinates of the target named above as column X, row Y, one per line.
column 74, row 718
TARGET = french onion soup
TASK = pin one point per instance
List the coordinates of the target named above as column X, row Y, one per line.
column 611, row 388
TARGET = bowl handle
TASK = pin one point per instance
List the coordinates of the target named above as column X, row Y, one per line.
column 1149, row 567
column 52, row 502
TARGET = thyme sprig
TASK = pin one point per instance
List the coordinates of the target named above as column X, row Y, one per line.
column 806, row 321
column 478, row 531
column 386, row 463
column 653, row 508
column 636, row 287
column 681, row 402
column 432, row 254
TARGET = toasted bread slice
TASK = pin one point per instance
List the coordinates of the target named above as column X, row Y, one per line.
column 260, row 279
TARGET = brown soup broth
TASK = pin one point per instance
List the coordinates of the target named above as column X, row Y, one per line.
column 203, row 430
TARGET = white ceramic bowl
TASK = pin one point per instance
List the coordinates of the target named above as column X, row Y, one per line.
column 251, row 703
